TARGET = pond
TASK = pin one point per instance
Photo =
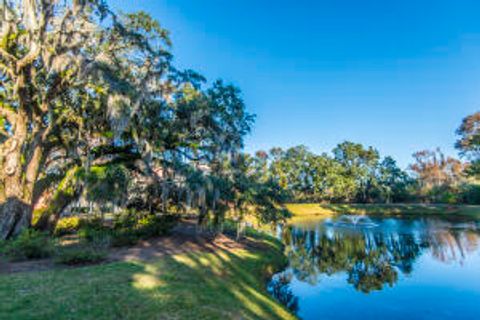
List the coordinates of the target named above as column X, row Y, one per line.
column 381, row 268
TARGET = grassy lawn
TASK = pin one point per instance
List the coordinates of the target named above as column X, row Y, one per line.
column 199, row 285
column 307, row 209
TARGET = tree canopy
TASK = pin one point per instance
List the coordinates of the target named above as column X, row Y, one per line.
column 86, row 88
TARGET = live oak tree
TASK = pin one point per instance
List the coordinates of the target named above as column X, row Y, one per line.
column 70, row 72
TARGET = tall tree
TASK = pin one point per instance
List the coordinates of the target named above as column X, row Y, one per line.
column 360, row 163
column 69, row 69
column 393, row 181
column 469, row 142
column 434, row 170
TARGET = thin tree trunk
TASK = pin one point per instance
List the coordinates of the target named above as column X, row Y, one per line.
column 238, row 231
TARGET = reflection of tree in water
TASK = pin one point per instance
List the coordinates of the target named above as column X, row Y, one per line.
column 279, row 287
column 371, row 271
column 453, row 245
column 370, row 259
column 367, row 260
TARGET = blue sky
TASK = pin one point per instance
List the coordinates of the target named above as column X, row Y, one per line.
column 397, row 75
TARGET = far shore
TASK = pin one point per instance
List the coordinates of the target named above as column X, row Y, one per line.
column 324, row 209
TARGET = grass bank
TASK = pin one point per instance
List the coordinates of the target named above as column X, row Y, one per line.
column 316, row 209
column 223, row 284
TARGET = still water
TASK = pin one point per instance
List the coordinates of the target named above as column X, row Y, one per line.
column 381, row 268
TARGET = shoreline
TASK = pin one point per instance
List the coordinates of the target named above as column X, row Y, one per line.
column 319, row 209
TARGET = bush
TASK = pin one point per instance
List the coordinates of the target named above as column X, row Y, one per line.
column 67, row 225
column 154, row 226
column 95, row 223
column 128, row 228
column 470, row 194
column 3, row 244
column 102, row 237
column 142, row 224
column 124, row 237
column 80, row 255
column 126, row 219
column 449, row 198
column 30, row 244
column 93, row 230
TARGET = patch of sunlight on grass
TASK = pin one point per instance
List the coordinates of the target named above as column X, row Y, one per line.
column 186, row 260
column 251, row 302
column 146, row 281
column 150, row 268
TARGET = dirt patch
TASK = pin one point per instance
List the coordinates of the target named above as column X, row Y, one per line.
column 184, row 238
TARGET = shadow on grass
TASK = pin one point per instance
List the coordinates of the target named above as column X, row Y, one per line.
column 196, row 285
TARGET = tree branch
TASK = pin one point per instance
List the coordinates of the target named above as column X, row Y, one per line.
column 7, row 56
column 29, row 58
column 6, row 70
column 8, row 114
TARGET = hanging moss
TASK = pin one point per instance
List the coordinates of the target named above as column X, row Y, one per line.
column 107, row 183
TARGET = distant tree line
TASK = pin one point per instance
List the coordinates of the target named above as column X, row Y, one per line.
column 355, row 173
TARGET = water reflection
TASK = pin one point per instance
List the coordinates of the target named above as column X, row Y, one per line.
column 371, row 257
column 281, row 290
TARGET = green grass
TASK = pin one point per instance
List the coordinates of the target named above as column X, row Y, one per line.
column 198, row 285
column 311, row 209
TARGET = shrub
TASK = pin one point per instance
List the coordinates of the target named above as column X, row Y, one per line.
column 154, row 226
column 80, row 255
column 131, row 226
column 143, row 224
column 470, row 193
column 93, row 230
column 124, row 237
column 95, row 223
column 128, row 228
column 449, row 198
column 126, row 219
column 30, row 244
column 67, row 225
column 3, row 244
column 102, row 236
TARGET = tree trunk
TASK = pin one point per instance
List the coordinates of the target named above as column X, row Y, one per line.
column 21, row 153
column 15, row 215
column 16, row 210
column 18, row 182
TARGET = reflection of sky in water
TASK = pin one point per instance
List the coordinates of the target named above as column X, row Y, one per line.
column 417, row 269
